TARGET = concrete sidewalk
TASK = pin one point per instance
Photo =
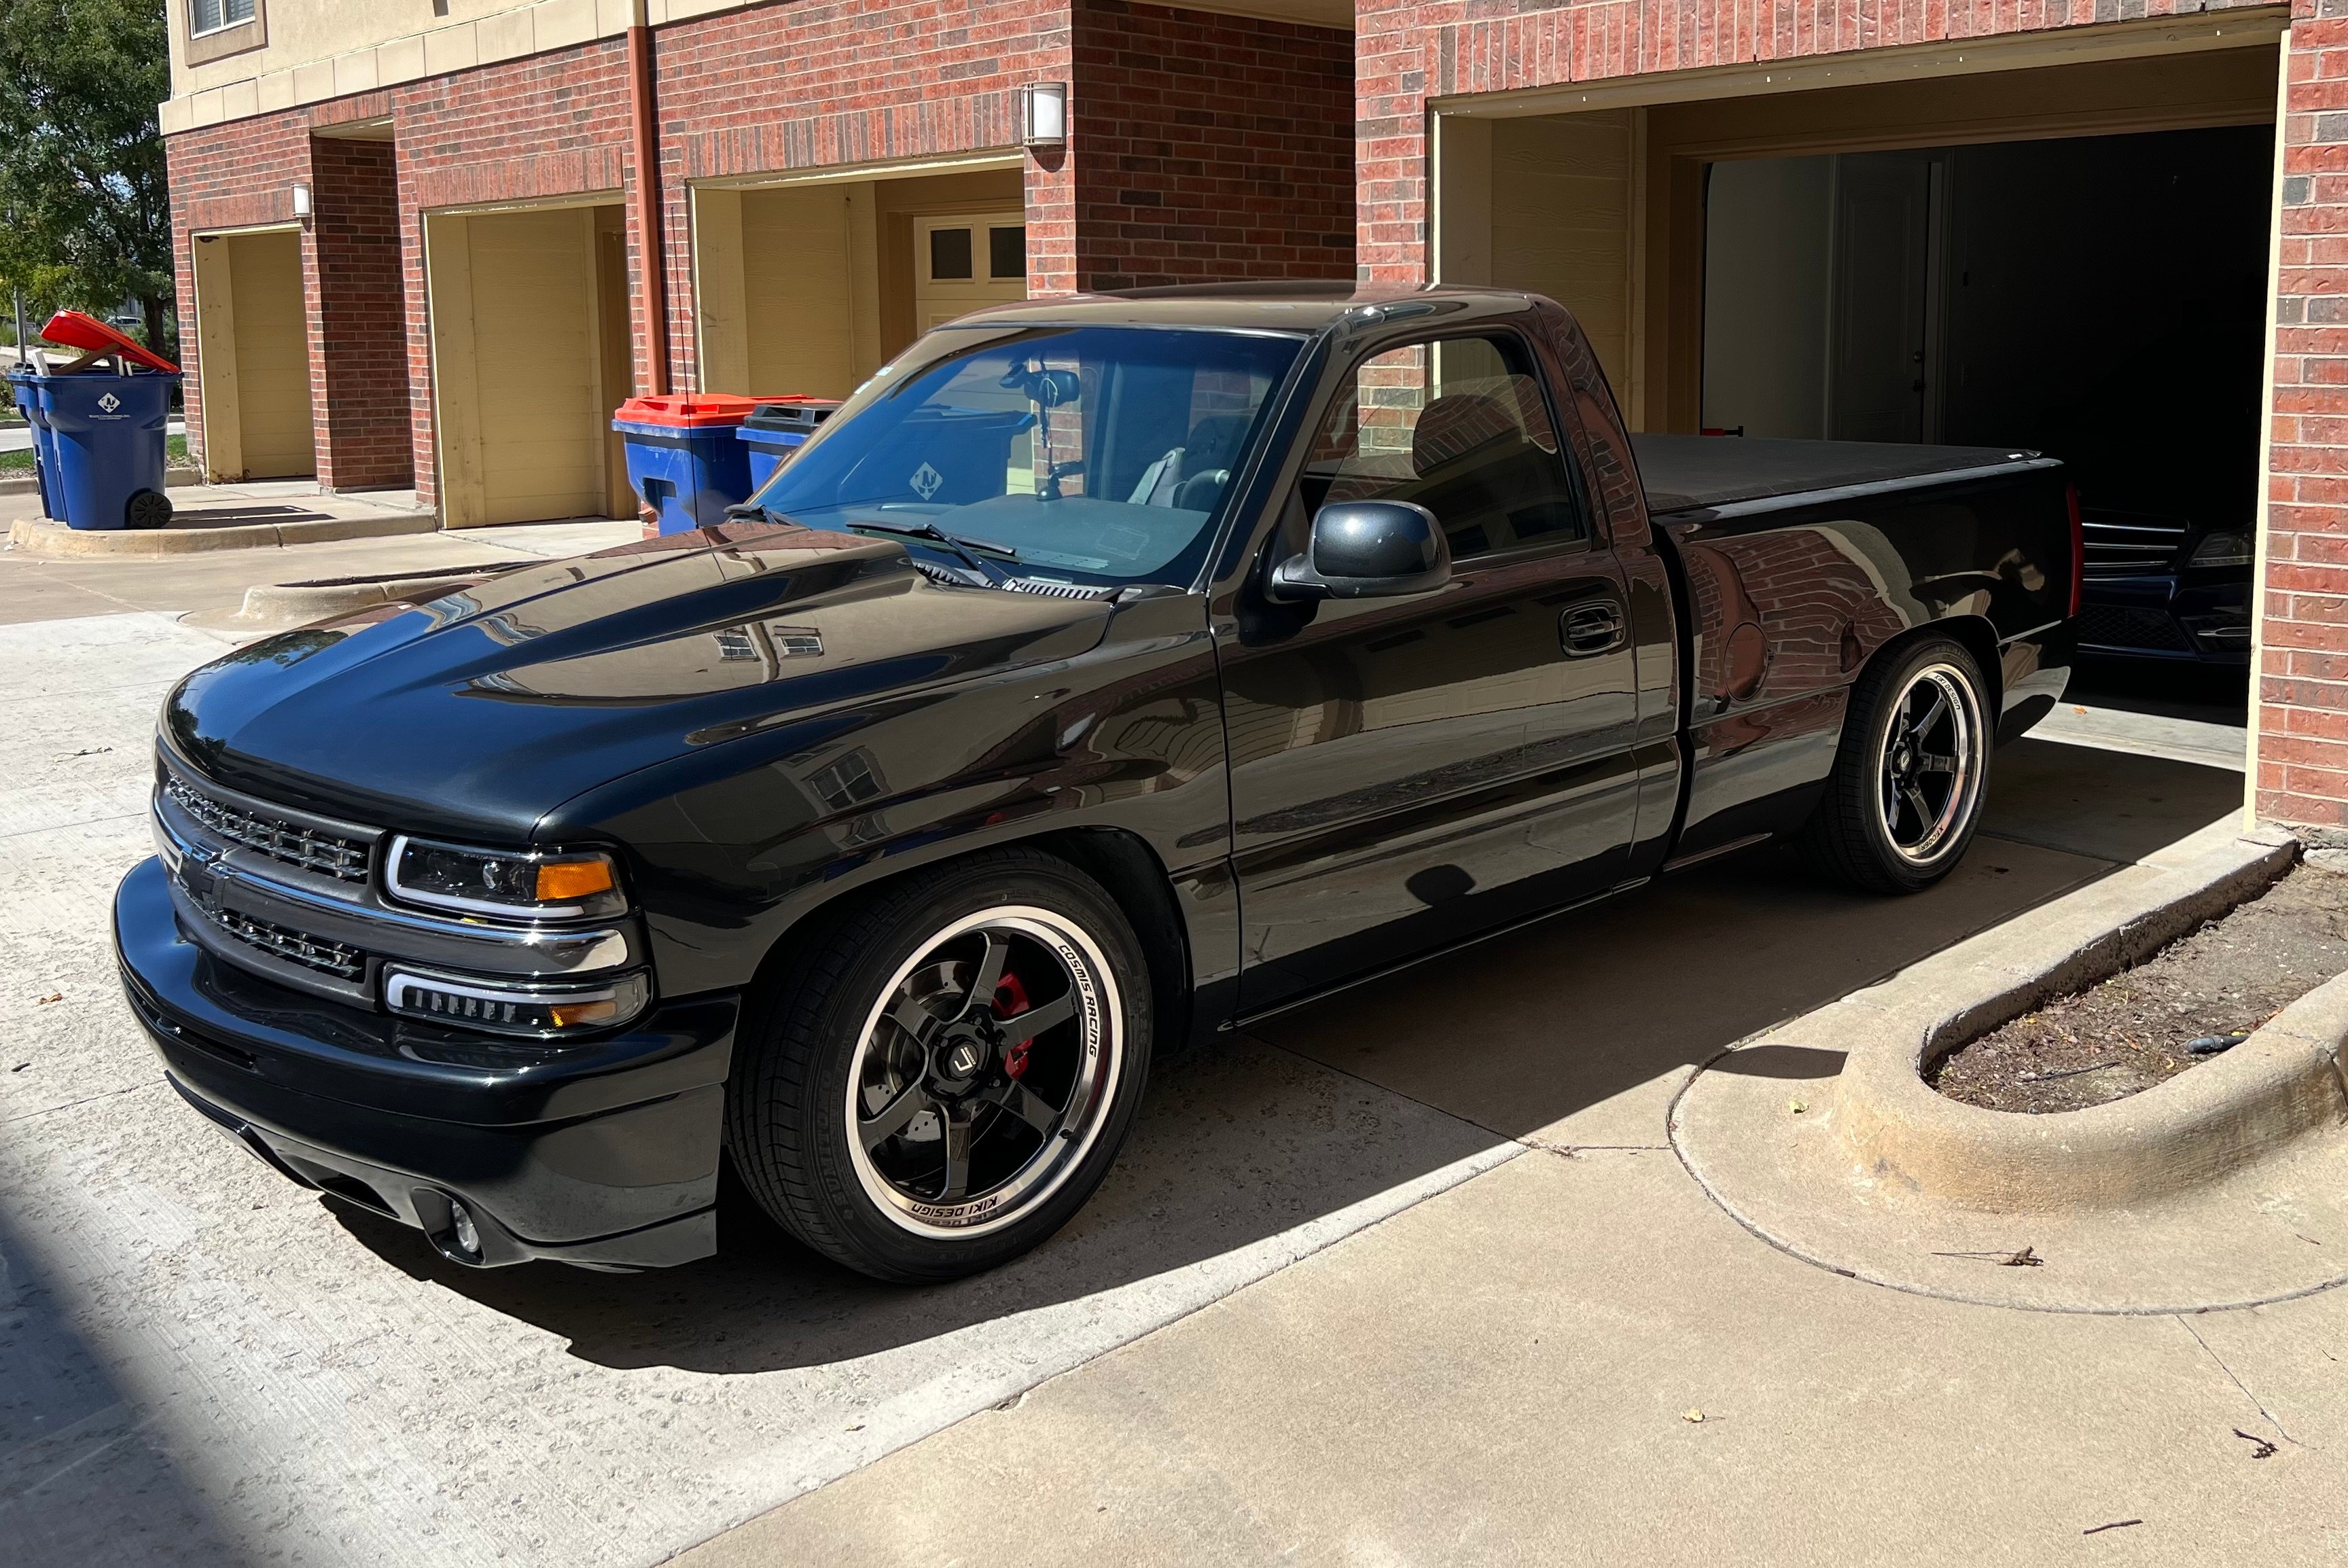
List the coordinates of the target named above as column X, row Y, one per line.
column 1578, row 1357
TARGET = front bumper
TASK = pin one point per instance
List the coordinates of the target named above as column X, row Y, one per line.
column 2202, row 617
column 603, row 1152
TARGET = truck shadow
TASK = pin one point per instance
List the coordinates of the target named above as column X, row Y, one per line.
column 85, row 1474
column 1575, row 1031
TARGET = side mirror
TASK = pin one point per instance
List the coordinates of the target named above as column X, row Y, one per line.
column 1367, row 549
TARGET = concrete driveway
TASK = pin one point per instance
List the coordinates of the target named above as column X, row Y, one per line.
column 200, row 1364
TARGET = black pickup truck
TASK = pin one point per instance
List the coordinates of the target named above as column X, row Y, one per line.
column 1108, row 672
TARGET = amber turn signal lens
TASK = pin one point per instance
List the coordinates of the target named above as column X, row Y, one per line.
column 566, row 882
column 581, row 1015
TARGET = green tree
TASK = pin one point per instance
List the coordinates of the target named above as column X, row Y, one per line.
column 85, row 207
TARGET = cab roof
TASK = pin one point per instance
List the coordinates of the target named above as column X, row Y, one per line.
column 1301, row 308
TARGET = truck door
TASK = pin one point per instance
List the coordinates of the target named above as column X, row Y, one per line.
column 1406, row 771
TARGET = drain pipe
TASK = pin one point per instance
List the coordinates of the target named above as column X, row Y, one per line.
column 644, row 121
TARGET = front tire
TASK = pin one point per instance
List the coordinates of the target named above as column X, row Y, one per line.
column 888, row 1107
column 1912, row 774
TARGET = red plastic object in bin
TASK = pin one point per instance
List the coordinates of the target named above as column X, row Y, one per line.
column 72, row 329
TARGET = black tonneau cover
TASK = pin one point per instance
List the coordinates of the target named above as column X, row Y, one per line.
column 1682, row 473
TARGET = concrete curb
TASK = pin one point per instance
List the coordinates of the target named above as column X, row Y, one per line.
column 55, row 540
column 2286, row 1080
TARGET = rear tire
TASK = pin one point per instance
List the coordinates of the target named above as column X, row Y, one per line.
column 1912, row 774
column 885, row 1107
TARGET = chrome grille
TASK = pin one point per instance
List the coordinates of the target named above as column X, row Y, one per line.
column 347, row 860
column 2121, row 543
column 335, row 958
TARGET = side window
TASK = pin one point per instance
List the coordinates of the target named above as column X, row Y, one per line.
column 1456, row 425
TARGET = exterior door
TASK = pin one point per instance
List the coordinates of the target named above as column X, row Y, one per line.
column 1408, row 771
column 1881, row 327
column 966, row 261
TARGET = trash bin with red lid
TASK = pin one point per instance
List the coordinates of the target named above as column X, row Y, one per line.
column 776, row 429
column 99, row 426
column 684, row 461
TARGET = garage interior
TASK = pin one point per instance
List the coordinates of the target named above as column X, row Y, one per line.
column 2071, row 257
column 254, row 342
column 809, row 287
column 530, row 354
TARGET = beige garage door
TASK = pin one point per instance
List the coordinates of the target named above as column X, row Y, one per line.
column 272, row 355
column 518, row 354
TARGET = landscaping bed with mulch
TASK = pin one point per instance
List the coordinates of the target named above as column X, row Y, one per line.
column 2185, row 1005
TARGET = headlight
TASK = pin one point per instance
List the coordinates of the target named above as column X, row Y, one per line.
column 2222, row 549
column 551, row 885
column 473, row 1003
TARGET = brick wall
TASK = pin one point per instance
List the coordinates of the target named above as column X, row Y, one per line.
column 549, row 125
column 1210, row 147
column 1406, row 51
column 801, row 87
column 356, row 292
column 2302, row 691
column 231, row 176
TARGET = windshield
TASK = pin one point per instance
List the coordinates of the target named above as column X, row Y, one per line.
column 1095, row 455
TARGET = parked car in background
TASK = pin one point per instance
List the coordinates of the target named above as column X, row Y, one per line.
column 2165, row 586
column 1107, row 673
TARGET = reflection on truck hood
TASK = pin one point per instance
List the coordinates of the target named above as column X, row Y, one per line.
column 491, row 705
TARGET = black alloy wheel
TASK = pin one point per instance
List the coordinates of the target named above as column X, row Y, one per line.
column 1912, row 774
column 942, row 1085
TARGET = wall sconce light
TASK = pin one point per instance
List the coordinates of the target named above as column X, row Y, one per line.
column 1044, row 114
column 302, row 201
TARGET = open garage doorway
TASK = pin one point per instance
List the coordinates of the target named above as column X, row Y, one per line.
column 2054, row 243
column 252, row 357
column 805, row 288
column 529, row 357
column 2100, row 299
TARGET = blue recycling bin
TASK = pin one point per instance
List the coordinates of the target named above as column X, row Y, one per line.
column 777, row 430
column 684, row 461
column 45, row 456
column 99, row 441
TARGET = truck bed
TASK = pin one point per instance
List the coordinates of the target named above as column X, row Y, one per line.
column 1689, row 473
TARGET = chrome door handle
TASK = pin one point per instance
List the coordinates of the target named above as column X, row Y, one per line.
column 1588, row 629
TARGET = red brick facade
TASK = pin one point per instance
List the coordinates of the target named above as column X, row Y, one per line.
column 2302, row 695
column 355, row 294
column 552, row 124
column 1211, row 147
column 1408, row 51
column 801, row 87
column 234, row 177
column 1262, row 184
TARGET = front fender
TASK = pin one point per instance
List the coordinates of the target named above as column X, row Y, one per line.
column 734, row 843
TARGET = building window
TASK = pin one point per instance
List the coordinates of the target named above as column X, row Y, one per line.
column 212, row 15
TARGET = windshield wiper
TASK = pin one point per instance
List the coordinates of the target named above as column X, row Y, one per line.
column 960, row 544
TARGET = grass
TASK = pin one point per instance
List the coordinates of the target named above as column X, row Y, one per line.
column 15, row 463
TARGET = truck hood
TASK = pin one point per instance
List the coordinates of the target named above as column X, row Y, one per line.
column 481, row 710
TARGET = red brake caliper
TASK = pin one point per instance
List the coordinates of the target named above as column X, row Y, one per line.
column 1010, row 1001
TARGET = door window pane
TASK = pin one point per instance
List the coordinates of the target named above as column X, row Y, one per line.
column 1006, row 251
column 1458, row 425
column 949, row 253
